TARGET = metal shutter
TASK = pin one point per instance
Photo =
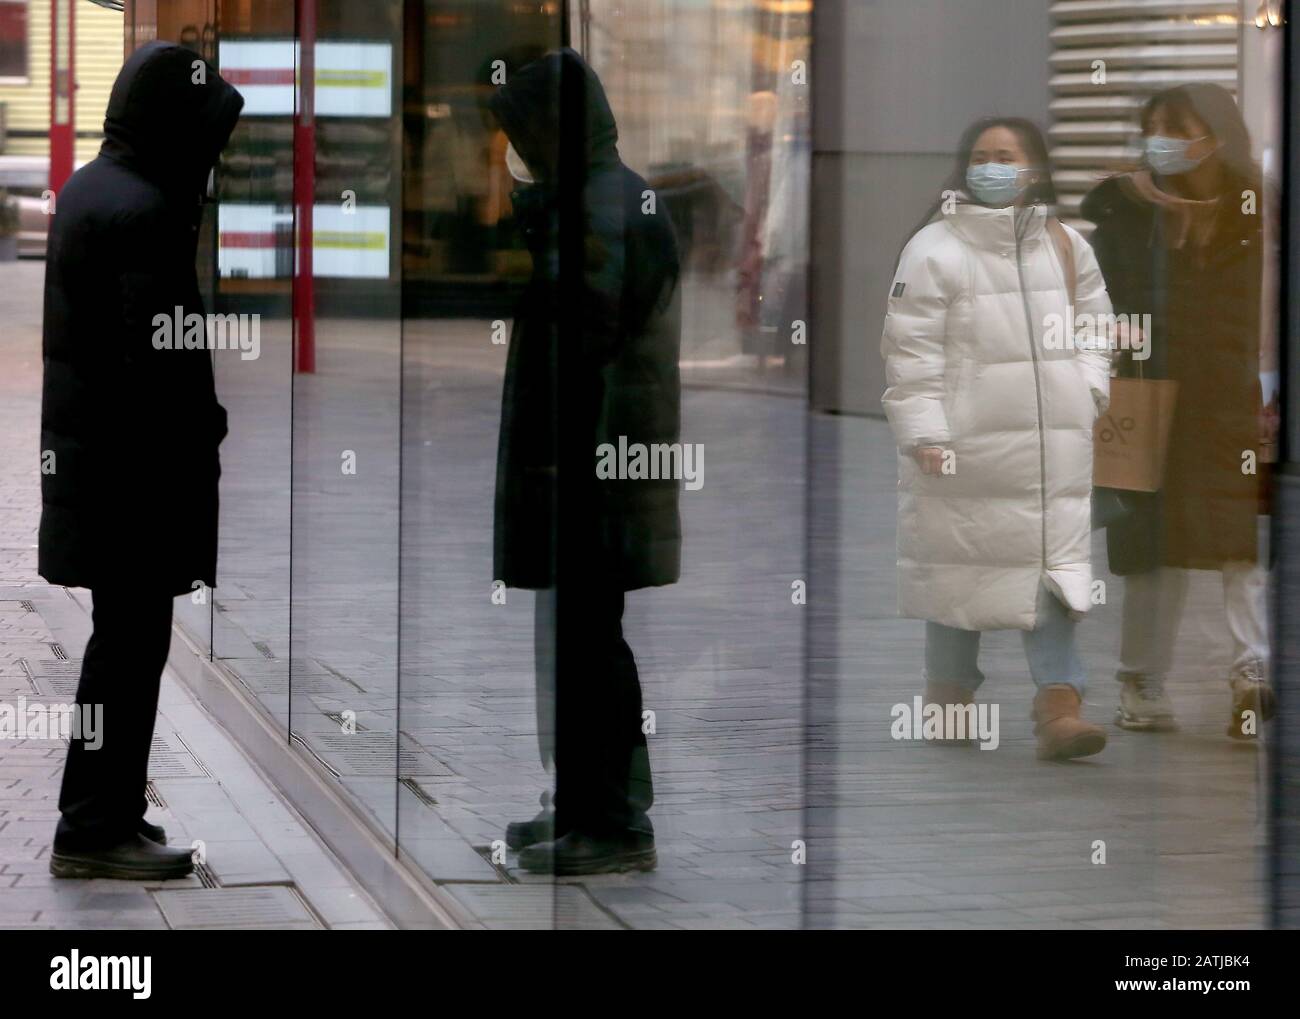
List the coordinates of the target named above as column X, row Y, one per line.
column 99, row 58
column 1146, row 45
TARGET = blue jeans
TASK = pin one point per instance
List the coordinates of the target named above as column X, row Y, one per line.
column 951, row 655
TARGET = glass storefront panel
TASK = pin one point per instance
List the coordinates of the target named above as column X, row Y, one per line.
column 469, row 760
column 649, row 635
column 346, row 392
column 1165, row 576
column 714, row 101
column 254, row 282
column 562, row 487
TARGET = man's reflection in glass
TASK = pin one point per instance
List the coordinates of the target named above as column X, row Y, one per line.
column 592, row 360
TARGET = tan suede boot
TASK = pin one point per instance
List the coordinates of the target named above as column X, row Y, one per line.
column 1061, row 733
column 945, row 694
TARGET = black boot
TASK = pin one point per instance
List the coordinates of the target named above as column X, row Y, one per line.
column 575, row 854
column 528, row 833
column 136, row 859
column 153, row 832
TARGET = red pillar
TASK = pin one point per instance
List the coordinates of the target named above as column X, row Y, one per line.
column 304, row 191
column 63, row 131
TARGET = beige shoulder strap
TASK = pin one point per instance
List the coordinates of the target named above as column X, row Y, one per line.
column 1065, row 253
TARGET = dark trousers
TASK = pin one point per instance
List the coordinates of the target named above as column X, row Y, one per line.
column 589, row 712
column 102, row 800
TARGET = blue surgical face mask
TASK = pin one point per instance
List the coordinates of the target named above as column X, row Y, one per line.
column 995, row 183
column 1168, row 156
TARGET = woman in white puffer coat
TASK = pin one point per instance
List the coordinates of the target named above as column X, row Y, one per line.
column 992, row 404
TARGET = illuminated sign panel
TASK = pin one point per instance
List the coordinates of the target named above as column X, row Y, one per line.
column 353, row 79
column 252, row 238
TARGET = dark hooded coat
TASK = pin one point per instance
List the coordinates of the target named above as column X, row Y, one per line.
column 129, row 432
column 594, row 348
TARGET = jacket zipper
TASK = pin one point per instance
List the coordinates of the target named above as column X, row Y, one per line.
column 1038, row 394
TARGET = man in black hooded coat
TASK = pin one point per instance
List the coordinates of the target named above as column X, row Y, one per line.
column 592, row 360
column 129, row 434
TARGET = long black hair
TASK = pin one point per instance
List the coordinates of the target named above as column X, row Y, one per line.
column 1042, row 191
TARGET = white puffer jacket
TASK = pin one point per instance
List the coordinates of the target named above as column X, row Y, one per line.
column 968, row 370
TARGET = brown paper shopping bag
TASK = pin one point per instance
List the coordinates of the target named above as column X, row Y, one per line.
column 1130, row 440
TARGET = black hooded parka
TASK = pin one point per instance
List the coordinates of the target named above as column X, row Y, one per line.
column 593, row 353
column 129, row 424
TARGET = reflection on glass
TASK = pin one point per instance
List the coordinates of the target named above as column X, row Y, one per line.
column 469, row 760
column 530, row 542
column 251, row 605
column 1182, row 244
column 347, row 307
column 1055, row 746
column 580, row 257
column 590, row 459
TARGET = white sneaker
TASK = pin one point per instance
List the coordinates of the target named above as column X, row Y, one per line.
column 1143, row 704
column 1252, row 703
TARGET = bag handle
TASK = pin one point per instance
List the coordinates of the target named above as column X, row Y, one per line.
column 1065, row 254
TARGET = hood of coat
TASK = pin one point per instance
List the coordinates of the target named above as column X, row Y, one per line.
column 169, row 116
column 997, row 229
column 556, row 98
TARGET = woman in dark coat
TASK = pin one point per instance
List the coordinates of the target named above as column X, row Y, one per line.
column 1182, row 240
column 130, row 426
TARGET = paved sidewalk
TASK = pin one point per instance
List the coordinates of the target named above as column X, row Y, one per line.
column 897, row 834
column 925, row 836
column 263, row 867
